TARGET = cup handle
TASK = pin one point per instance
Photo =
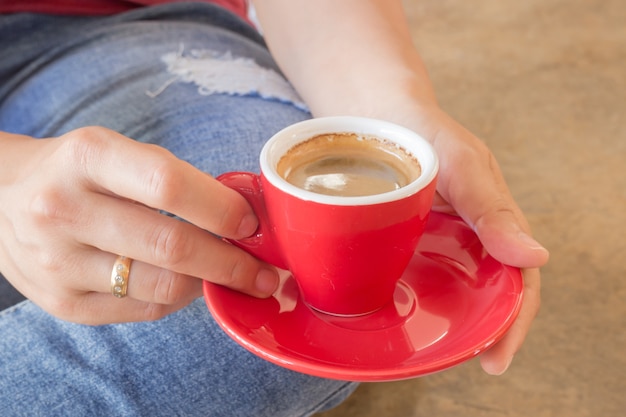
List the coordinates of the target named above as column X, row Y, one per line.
column 262, row 244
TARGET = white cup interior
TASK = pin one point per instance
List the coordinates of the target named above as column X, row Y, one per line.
column 287, row 138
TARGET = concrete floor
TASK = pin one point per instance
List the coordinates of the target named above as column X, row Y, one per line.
column 544, row 83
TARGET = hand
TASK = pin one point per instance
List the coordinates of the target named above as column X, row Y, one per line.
column 70, row 205
column 471, row 185
column 371, row 41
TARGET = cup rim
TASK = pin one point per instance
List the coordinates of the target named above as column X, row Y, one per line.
column 290, row 136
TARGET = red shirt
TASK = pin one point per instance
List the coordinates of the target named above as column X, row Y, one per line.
column 102, row 7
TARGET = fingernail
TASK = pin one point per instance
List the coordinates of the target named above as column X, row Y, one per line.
column 506, row 366
column 530, row 242
column 266, row 281
column 492, row 367
column 248, row 225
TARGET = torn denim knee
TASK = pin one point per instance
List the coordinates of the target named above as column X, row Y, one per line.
column 222, row 73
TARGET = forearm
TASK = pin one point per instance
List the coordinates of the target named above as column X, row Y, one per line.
column 347, row 56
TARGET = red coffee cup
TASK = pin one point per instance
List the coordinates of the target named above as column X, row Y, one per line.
column 346, row 253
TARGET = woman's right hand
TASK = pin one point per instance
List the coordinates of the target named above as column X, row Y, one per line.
column 70, row 205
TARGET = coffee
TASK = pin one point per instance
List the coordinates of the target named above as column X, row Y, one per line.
column 347, row 164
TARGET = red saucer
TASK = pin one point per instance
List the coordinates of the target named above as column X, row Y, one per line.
column 453, row 302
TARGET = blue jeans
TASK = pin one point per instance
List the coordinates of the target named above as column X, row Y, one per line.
column 60, row 73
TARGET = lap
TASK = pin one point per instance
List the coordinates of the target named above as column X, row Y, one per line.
column 181, row 365
column 116, row 76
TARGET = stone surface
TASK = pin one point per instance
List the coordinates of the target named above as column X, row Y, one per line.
column 543, row 82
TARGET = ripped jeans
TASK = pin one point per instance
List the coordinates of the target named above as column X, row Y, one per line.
column 166, row 75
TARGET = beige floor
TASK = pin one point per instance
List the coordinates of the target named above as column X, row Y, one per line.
column 544, row 83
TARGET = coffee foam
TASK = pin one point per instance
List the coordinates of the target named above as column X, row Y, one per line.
column 347, row 164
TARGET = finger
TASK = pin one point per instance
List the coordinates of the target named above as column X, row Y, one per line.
column 98, row 308
column 497, row 359
column 146, row 282
column 94, row 308
column 167, row 243
column 472, row 183
column 155, row 177
column 507, row 241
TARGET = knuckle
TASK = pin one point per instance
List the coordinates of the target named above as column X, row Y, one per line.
column 164, row 183
column 230, row 219
column 165, row 289
column 154, row 311
column 49, row 205
column 238, row 273
column 499, row 208
column 171, row 245
column 229, row 213
column 83, row 145
column 50, row 262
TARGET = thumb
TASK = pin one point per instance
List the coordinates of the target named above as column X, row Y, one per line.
column 505, row 237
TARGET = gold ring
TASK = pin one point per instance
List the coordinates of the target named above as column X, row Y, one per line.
column 119, row 276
